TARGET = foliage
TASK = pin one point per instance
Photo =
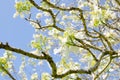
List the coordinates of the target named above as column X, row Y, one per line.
column 84, row 33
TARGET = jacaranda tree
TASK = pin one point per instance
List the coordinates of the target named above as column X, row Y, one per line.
column 79, row 39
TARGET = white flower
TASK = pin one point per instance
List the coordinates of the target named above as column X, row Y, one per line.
column 80, row 35
column 118, row 52
column 51, row 32
column 35, row 52
column 109, row 33
column 34, row 76
column 38, row 15
column 34, row 25
column 57, row 50
column 111, row 70
column 40, row 62
column 99, row 69
column 48, row 21
column 36, row 36
column 15, row 15
column 45, row 76
column 64, row 40
column 73, row 12
column 62, row 23
column 104, row 76
column 46, row 14
column 64, row 17
column 22, row 15
column 62, row 5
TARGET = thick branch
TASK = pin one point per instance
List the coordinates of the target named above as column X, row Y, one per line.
column 52, row 63
column 118, row 2
column 8, row 47
column 61, row 8
column 45, row 57
column 81, row 71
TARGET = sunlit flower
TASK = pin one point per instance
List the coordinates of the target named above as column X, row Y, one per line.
column 35, row 52
column 34, row 76
column 46, row 14
column 15, row 14
column 36, row 36
column 38, row 15
column 64, row 40
column 62, row 5
column 40, row 62
column 64, row 17
column 48, row 21
column 45, row 76
column 62, row 23
column 57, row 50
column 80, row 35
column 51, row 32
column 35, row 25
column 104, row 76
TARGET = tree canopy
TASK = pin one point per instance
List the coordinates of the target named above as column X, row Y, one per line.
column 79, row 39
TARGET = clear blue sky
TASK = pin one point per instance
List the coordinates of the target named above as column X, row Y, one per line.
column 17, row 32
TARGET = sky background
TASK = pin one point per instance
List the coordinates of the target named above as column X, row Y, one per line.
column 17, row 32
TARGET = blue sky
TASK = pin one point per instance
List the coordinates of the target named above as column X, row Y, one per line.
column 17, row 32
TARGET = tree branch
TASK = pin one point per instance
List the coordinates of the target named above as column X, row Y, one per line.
column 61, row 8
column 7, row 72
column 8, row 47
column 103, row 69
column 50, row 12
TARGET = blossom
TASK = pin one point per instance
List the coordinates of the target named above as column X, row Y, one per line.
column 51, row 32
column 35, row 25
column 80, row 35
column 15, row 15
column 62, row 5
column 64, row 17
column 64, row 40
column 62, row 23
column 40, row 62
column 38, row 15
column 46, row 14
column 35, row 52
column 109, row 33
column 34, row 76
column 36, row 36
column 48, row 21
column 57, row 50
column 45, row 76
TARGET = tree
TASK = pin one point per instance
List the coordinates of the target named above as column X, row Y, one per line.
column 84, row 33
